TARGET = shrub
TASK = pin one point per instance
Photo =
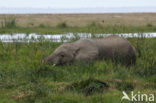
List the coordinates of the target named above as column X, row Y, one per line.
column 149, row 25
column 42, row 26
column 62, row 25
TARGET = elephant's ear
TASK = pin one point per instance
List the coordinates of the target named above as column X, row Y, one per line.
column 75, row 49
column 87, row 53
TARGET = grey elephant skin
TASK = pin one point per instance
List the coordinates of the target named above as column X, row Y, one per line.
column 112, row 47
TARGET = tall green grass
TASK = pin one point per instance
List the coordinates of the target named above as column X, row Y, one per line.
column 24, row 79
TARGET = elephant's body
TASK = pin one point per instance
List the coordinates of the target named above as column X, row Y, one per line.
column 112, row 47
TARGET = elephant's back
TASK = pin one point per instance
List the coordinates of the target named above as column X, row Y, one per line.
column 112, row 46
column 113, row 41
column 85, row 42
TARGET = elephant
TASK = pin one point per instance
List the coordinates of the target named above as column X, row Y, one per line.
column 112, row 47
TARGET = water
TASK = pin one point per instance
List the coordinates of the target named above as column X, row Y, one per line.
column 33, row 37
column 77, row 10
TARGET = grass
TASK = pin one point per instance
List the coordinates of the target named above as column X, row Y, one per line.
column 24, row 79
column 8, row 23
column 76, row 23
column 82, row 20
column 62, row 25
column 92, row 28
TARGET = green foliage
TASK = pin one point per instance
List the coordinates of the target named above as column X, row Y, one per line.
column 24, row 79
column 8, row 23
column 9, row 26
column 149, row 25
column 42, row 26
column 62, row 25
column 88, row 87
column 94, row 24
column 146, row 59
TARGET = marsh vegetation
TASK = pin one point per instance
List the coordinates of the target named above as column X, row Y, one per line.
column 76, row 23
column 24, row 79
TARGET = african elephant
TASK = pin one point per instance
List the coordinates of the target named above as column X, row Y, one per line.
column 111, row 47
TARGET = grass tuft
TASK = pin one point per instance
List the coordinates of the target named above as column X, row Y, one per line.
column 8, row 23
column 62, row 25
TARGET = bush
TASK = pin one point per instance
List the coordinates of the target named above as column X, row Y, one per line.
column 62, row 25
column 149, row 25
column 42, row 26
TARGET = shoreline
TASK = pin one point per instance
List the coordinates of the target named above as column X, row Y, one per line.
column 68, row 37
column 77, row 13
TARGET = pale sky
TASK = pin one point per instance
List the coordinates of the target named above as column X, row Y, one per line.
column 76, row 3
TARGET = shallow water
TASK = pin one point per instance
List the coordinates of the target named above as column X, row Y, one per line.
column 127, row 9
column 33, row 37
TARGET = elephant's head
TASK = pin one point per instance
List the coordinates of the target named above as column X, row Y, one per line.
column 62, row 55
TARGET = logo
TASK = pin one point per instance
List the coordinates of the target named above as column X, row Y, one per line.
column 138, row 97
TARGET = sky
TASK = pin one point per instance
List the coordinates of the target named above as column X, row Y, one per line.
column 76, row 3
